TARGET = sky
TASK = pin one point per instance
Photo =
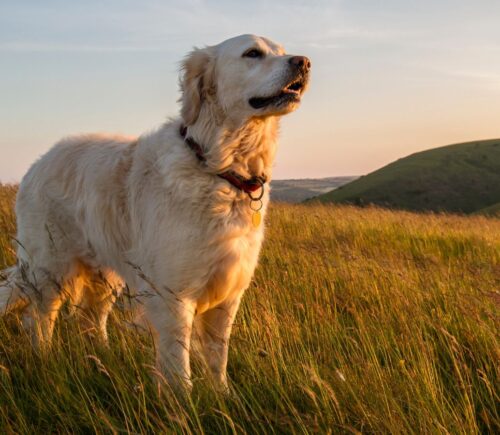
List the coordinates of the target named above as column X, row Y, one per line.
column 389, row 78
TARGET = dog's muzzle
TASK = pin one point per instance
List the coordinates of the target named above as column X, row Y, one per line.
column 292, row 91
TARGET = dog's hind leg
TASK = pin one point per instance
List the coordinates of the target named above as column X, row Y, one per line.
column 99, row 295
column 44, row 314
column 46, row 286
column 47, row 297
column 38, row 294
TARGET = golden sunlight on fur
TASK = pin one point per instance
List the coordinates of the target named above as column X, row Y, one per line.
column 172, row 221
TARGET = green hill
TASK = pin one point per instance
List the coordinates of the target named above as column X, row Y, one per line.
column 492, row 210
column 456, row 178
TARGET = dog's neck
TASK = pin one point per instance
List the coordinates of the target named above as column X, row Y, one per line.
column 247, row 149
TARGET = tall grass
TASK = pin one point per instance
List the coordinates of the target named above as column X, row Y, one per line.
column 358, row 320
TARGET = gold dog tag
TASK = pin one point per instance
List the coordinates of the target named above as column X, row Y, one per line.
column 256, row 218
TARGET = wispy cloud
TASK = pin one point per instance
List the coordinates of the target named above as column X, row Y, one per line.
column 153, row 25
column 73, row 47
column 486, row 79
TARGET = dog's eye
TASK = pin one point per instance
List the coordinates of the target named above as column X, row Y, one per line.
column 253, row 52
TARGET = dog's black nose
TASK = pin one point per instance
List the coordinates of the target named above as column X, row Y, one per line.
column 300, row 62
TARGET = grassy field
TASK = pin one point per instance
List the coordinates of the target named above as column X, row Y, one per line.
column 455, row 178
column 358, row 320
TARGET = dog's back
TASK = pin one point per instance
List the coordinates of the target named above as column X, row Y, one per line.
column 79, row 183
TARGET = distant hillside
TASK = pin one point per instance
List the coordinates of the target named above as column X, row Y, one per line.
column 299, row 190
column 492, row 210
column 457, row 178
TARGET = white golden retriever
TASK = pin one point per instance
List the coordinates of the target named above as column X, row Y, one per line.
column 174, row 214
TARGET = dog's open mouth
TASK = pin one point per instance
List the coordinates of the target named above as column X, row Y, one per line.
column 288, row 94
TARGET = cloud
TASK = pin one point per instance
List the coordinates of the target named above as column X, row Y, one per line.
column 486, row 79
column 72, row 47
column 153, row 25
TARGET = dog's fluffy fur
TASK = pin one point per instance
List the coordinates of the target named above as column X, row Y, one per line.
column 97, row 211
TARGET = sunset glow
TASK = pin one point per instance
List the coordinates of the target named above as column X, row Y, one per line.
column 388, row 78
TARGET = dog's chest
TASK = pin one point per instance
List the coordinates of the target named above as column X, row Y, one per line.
column 230, row 270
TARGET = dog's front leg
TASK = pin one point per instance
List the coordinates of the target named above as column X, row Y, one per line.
column 214, row 328
column 172, row 318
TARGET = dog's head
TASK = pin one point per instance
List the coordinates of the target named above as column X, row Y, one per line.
column 245, row 77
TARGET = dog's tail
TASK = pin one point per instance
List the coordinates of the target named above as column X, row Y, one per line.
column 11, row 295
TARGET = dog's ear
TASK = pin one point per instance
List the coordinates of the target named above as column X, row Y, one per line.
column 197, row 82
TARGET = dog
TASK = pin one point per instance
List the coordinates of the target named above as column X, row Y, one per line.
column 175, row 214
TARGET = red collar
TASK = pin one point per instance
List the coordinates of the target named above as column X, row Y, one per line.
column 247, row 185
